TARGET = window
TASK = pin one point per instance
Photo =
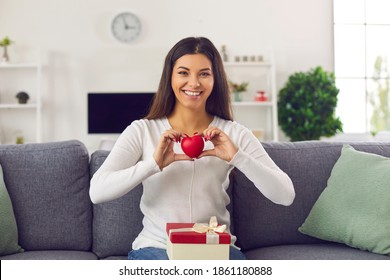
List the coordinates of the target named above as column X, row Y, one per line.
column 362, row 64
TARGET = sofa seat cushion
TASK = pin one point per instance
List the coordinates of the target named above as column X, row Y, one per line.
column 328, row 251
column 52, row 255
column 116, row 258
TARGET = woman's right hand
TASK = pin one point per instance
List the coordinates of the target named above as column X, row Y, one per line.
column 164, row 154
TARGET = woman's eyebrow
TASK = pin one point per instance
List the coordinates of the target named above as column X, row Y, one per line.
column 185, row 68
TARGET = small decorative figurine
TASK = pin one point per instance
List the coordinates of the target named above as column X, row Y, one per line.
column 260, row 96
column 224, row 54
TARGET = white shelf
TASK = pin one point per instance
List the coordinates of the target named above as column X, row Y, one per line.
column 253, row 103
column 256, row 114
column 248, row 64
column 21, row 117
column 18, row 65
column 18, row 106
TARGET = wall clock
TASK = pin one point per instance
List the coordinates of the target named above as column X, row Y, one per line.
column 126, row 27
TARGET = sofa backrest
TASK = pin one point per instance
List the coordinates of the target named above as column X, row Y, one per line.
column 115, row 223
column 48, row 185
column 259, row 222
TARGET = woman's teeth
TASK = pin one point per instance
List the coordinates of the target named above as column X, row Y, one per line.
column 192, row 93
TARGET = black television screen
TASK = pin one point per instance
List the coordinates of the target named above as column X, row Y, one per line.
column 113, row 112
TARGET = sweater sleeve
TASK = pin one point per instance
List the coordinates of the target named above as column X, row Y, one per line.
column 123, row 169
column 252, row 160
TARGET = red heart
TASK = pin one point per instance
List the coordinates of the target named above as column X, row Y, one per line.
column 192, row 146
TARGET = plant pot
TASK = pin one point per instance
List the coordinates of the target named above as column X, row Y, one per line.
column 237, row 96
column 22, row 101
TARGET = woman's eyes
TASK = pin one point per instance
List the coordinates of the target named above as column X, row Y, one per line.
column 205, row 74
column 183, row 73
column 202, row 74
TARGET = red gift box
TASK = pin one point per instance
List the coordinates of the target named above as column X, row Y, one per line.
column 189, row 241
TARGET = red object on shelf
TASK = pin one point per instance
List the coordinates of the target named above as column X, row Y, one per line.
column 261, row 97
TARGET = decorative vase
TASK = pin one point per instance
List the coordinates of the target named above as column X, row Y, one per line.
column 19, row 137
column 237, row 96
column 5, row 57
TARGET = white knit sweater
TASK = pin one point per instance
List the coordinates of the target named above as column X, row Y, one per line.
column 185, row 191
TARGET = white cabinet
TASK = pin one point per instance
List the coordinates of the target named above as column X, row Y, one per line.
column 20, row 120
column 259, row 116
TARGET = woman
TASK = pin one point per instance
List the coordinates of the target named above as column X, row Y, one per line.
column 193, row 96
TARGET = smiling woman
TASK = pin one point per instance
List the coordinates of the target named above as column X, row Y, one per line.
column 188, row 182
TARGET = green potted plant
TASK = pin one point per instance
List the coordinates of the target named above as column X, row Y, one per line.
column 306, row 105
column 5, row 42
column 238, row 89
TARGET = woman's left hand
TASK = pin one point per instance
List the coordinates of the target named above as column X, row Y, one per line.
column 224, row 148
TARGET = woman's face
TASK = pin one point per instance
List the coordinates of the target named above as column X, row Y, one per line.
column 192, row 81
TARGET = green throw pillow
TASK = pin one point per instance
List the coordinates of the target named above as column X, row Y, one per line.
column 8, row 229
column 354, row 208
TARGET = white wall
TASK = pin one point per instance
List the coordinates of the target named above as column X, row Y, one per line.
column 80, row 55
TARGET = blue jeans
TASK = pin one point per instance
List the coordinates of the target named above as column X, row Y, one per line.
column 150, row 253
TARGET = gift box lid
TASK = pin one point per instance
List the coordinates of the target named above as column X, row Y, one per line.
column 187, row 235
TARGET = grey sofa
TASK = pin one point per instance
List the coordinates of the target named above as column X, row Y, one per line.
column 48, row 184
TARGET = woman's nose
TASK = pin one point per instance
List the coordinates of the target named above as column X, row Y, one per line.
column 194, row 82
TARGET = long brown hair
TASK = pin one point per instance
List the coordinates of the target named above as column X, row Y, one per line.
column 218, row 103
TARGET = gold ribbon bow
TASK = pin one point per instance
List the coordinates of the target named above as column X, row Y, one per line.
column 212, row 227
